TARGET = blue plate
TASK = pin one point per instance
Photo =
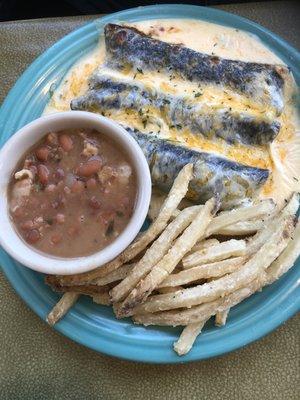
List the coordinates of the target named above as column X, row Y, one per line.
column 95, row 326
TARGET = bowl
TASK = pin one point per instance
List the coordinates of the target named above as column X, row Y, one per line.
column 24, row 139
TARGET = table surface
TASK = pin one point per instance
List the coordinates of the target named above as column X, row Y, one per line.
column 38, row 363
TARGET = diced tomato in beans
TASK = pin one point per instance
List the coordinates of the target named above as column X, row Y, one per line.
column 80, row 195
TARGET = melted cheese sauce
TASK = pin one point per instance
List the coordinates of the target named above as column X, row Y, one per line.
column 282, row 157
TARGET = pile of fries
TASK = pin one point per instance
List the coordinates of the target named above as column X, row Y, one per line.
column 191, row 264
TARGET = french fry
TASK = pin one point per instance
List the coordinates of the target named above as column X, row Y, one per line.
column 226, row 218
column 255, row 242
column 219, row 252
column 62, row 307
column 286, row 259
column 169, row 289
column 197, row 313
column 204, row 244
column 279, row 267
column 114, row 276
column 167, row 264
column 221, row 317
column 88, row 289
column 242, row 228
column 154, row 253
column 188, row 337
column 157, row 200
column 228, row 283
column 102, row 298
column 176, row 194
column 220, row 307
column 204, row 271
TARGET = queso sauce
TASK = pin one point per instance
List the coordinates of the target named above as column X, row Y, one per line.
column 72, row 193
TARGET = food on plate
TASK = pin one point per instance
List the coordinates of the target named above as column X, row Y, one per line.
column 219, row 252
column 202, row 119
column 155, row 252
column 72, row 193
column 170, row 260
column 188, row 337
column 204, row 244
column 62, row 307
column 227, row 218
column 232, row 181
column 227, row 284
column 195, row 92
column 204, row 271
column 129, row 46
column 156, row 289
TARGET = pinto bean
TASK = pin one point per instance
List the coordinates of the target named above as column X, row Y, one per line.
column 91, row 183
column 66, row 142
column 42, row 153
column 32, row 236
column 27, row 225
column 89, row 168
column 60, row 218
column 94, row 203
column 43, row 174
column 77, row 187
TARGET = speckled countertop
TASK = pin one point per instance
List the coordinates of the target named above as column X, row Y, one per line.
column 37, row 363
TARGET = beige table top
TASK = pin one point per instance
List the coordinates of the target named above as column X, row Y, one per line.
column 38, row 363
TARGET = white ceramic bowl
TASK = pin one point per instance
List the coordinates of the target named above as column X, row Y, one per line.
column 26, row 137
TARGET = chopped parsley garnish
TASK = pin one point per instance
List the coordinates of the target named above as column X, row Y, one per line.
column 198, row 94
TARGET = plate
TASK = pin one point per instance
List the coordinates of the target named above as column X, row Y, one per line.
column 95, row 326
